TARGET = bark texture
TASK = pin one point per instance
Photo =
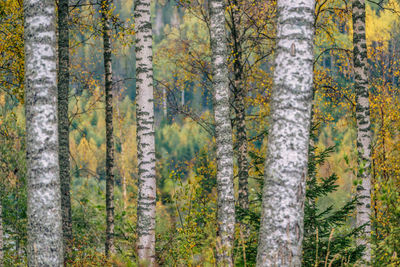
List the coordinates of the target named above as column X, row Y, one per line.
column 281, row 229
column 363, row 123
column 223, row 134
column 240, row 108
column 63, row 123
column 45, row 239
column 105, row 13
column 145, row 134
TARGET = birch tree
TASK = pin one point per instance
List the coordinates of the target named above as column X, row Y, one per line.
column 281, row 229
column 45, row 242
column 223, row 134
column 105, row 13
column 63, row 123
column 363, row 123
column 146, row 214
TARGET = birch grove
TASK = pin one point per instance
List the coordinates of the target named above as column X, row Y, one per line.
column 229, row 133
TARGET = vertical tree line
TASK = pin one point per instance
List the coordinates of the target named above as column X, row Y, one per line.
column 50, row 238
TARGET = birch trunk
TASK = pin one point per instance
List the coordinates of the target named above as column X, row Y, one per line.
column 105, row 13
column 45, row 239
column 281, row 229
column 223, row 134
column 146, row 219
column 363, row 123
column 63, row 124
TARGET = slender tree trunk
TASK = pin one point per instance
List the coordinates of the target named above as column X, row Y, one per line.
column 165, row 103
column 223, row 134
column 1, row 232
column 363, row 123
column 240, row 109
column 123, row 179
column 63, row 123
column 45, row 239
column 281, row 229
column 105, row 13
column 146, row 219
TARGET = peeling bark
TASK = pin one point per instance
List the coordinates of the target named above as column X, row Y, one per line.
column 146, row 214
column 281, row 229
column 45, row 240
column 223, row 134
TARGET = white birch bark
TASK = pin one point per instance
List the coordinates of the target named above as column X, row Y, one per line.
column 45, row 239
column 281, row 229
column 106, row 31
column 145, row 134
column 364, row 134
column 223, row 134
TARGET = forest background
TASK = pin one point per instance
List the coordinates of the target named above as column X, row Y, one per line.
column 186, row 168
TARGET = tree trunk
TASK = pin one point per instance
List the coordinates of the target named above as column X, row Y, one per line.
column 63, row 123
column 281, row 229
column 45, row 239
column 223, row 134
column 123, row 179
column 146, row 213
column 105, row 13
column 240, row 109
column 363, row 123
column 165, row 103
column 1, row 232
